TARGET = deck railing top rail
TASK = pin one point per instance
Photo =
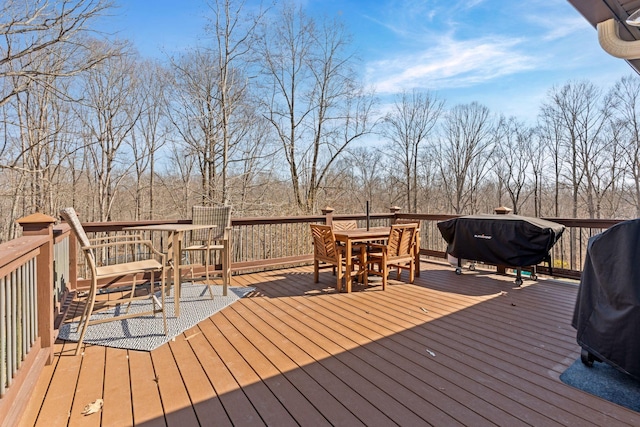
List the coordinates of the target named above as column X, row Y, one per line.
column 258, row 242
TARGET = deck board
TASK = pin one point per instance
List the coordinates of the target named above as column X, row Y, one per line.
column 145, row 395
column 269, row 408
column 448, row 350
column 300, row 348
column 177, row 405
column 291, row 361
column 56, row 407
column 393, row 360
column 89, row 387
column 205, row 403
column 235, row 402
column 279, row 383
column 117, row 391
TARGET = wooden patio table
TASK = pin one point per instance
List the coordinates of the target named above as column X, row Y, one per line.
column 358, row 235
column 174, row 248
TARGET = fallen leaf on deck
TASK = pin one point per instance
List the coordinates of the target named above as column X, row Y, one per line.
column 424, row 309
column 191, row 336
column 93, row 407
column 431, row 353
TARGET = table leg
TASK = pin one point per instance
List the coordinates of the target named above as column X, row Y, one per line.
column 417, row 254
column 176, row 272
column 226, row 265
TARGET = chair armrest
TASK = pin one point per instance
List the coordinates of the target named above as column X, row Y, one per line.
column 103, row 243
column 378, row 246
column 225, row 236
column 123, row 238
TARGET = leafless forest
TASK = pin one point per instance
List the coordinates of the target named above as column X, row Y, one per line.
column 276, row 120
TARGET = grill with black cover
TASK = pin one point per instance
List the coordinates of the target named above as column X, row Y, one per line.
column 607, row 311
column 506, row 240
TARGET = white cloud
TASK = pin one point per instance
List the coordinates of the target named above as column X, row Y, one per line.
column 557, row 27
column 450, row 63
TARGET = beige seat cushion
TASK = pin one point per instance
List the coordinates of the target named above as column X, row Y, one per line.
column 128, row 268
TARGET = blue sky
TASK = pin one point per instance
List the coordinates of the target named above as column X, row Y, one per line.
column 504, row 54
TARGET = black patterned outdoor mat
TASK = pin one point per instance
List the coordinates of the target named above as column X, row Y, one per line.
column 604, row 381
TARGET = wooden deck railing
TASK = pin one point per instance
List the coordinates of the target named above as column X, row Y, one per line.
column 38, row 270
column 26, row 312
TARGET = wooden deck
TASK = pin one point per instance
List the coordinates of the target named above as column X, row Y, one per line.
column 448, row 350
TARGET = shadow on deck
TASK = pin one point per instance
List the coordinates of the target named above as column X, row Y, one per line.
column 448, row 350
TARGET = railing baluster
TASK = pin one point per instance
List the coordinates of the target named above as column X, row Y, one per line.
column 12, row 329
column 23, row 314
column 4, row 346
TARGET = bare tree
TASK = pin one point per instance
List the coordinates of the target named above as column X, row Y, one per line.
column 254, row 169
column 431, row 200
column 365, row 168
column 408, row 126
column 603, row 173
column 626, row 103
column 178, row 178
column 582, row 116
column 512, row 158
column 37, row 129
column 550, row 134
column 32, row 29
column 314, row 103
column 537, row 153
column 195, row 114
column 232, row 29
column 150, row 132
column 463, row 154
column 109, row 112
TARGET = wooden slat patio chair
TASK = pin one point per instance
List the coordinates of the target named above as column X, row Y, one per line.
column 417, row 245
column 346, row 224
column 212, row 240
column 327, row 253
column 399, row 252
column 154, row 262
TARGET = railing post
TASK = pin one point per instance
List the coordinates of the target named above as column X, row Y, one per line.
column 39, row 224
column 394, row 210
column 328, row 213
column 73, row 263
column 502, row 210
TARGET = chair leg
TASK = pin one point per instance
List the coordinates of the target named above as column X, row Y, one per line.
column 364, row 268
column 163, row 302
column 412, row 272
column 131, row 294
column 385, row 272
column 226, row 267
column 86, row 315
column 207, row 254
column 85, row 311
column 339, row 278
column 316, row 273
column 165, row 274
column 187, row 261
column 152, row 290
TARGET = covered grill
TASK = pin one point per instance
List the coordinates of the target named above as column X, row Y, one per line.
column 607, row 311
column 508, row 240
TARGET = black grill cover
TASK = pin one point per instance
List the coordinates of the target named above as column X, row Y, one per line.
column 510, row 240
column 607, row 312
